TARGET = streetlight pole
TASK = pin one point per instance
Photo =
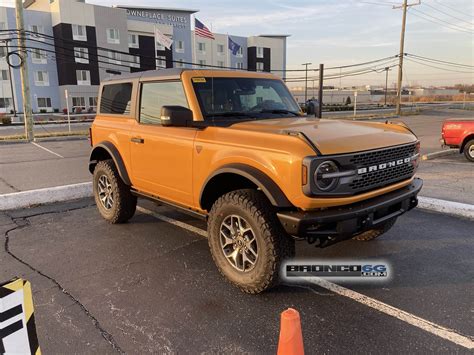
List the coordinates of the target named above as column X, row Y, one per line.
column 306, row 83
column 11, row 80
column 386, row 84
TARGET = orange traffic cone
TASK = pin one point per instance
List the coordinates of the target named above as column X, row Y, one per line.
column 291, row 338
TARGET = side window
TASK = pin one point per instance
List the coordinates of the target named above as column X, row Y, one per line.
column 156, row 95
column 116, row 99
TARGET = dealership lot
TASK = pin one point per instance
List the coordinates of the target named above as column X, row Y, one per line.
column 150, row 285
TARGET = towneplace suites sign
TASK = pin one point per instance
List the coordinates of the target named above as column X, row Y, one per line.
column 163, row 17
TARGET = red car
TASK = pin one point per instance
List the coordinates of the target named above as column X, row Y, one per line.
column 459, row 134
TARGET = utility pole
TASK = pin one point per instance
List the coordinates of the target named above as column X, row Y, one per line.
column 306, row 83
column 320, row 92
column 25, row 83
column 386, row 84
column 404, row 7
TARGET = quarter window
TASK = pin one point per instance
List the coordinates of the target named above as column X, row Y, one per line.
column 116, row 99
column 156, row 95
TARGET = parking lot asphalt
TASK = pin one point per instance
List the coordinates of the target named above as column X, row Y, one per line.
column 151, row 286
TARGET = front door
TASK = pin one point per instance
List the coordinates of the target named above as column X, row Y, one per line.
column 162, row 157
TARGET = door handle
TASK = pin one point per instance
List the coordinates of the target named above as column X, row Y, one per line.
column 137, row 140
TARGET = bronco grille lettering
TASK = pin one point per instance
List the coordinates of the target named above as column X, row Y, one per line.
column 382, row 166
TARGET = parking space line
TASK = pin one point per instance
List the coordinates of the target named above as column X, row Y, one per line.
column 46, row 149
column 433, row 328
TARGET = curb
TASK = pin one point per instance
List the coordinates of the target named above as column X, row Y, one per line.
column 24, row 199
column 440, row 153
column 447, row 207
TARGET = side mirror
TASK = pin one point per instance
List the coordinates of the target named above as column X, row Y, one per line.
column 178, row 116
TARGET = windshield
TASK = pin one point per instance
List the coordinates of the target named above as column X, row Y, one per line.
column 243, row 98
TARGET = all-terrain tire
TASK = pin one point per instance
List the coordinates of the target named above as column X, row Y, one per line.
column 469, row 150
column 274, row 244
column 124, row 203
column 377, row 232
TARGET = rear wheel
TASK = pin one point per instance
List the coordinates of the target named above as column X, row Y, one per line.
column 469, row 150
column 112, row 196
column 377, row 232
column 247, row 241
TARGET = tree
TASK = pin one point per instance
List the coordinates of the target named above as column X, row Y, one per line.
column 348, row 101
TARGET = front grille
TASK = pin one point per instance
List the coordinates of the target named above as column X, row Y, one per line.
column 383, row 177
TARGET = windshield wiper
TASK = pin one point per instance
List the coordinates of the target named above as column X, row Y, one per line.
column 230, row 114
column 280, row 111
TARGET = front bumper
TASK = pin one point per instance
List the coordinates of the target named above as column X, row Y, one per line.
column 332, row 225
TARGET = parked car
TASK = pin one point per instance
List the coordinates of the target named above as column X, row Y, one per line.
column 235, row 149
column 458, row 133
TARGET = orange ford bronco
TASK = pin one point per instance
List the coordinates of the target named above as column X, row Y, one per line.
column 234, row 147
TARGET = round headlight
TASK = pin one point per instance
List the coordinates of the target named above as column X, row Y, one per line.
column 325, row 183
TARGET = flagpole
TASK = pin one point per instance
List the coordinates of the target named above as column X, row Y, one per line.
column 212, row 48
column 194, row 58
column 227, row 57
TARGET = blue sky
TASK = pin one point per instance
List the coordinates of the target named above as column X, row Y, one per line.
column 341, row 32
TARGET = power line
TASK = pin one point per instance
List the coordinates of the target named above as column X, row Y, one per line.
column 440, row 61
column 449, row 7
column 447, row 14
column 441, row 68
column 436, row 20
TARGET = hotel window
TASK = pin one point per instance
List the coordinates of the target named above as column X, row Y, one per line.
column 201, row 62
column 179, row 63
column 38, row 56
column 41, row 78
column 37, row 32
column 220, row 63
column 180, row 46
column 239, row 65
column 5, row 102
column 79, row 33
column 161, row 61
column 202, row 47
column 81, row 55
column 113, row 36
column 260, row 66
column 220, row 49
column 240, row 52
column 132, row 40
column 44, row 102
column 114, row 57
column 93, row 101
column 3, row 74
column 259, row 52
column 135, row 59
column 78, row 101
column 83, row 77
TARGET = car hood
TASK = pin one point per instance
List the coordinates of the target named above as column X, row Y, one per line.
column 335, row 136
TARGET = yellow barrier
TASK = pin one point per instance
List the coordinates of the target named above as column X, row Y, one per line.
column 17, row 319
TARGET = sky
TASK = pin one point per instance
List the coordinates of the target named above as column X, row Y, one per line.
column 343, row 32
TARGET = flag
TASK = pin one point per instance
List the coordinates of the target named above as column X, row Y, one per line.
column 162, row 39
column 234, row 47
column 201, row 30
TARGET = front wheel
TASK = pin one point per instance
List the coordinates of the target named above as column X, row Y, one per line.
column 247, row 241
column 469, row 150
column 112, row 196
